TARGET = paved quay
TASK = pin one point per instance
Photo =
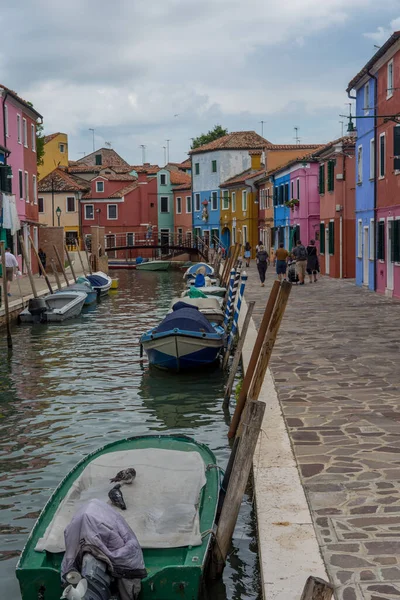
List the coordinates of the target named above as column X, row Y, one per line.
column 336, row 375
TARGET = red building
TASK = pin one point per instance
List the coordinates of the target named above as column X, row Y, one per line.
column 337, row 207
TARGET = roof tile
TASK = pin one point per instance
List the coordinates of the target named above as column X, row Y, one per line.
column 61, row 181
column 237, row 140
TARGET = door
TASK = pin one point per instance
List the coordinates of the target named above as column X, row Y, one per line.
column 366, row 256
column 327, row 255
column 206, row 237
column 390, row 257
column 110, row 243
column 164, row 238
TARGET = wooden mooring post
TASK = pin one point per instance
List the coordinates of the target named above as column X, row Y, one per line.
column 61, row 264
column 70, row 262
column 317, row 589
column 80, row 258
column 28, row 265
column 5, row 293
column 53, row 267
column 41, row 266
column 237, row 485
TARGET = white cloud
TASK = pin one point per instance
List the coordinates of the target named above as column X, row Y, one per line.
column 383, row 33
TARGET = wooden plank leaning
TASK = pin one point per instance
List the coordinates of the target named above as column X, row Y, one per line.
column 41, row 266
column 317, row 589
column 70, row 262
column 60, row 264
column 28, row 265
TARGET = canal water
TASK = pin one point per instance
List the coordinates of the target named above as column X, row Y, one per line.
column 66, row 390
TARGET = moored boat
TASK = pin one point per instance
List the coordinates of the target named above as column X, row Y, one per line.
column 82, row 285
column 100, row 282
column 54, row 308
column 154, row 265
column 209, row 307
column 208, row 290
column 184, row 339
column 173, row 527
column 194, row 269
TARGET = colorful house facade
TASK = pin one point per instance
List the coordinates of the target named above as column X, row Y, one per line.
column 281, row 235
column 304, row 200
column 183, row 213
column 265, row 188
column 55, row 153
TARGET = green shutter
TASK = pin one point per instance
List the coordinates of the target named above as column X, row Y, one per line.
column 322, row 238
column 322, row 179
column 380, row 242
column 197, row 168
column 396, row 241
column 214, row 166
column 331, row 237
column 396, row 148
column 275, row 196
column 331, row 175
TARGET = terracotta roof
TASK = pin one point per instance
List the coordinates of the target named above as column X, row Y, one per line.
column 77, row 168
column 109, row 158
column 61, row 181
column 237, row 140
column 345, row 140
column 301, row 158
column 21, row 100
column 51, row 136
column 381, row 52
column 125, row 190
column 292, row 146
column 242, row 177
column 149, row 169
column 179, row 178
column 112, row 176
column 185, row 186
column 186, row 164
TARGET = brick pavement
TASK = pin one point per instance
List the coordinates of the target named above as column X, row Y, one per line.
column 336, row 370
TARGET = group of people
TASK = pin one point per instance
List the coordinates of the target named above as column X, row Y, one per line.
column 306, row 261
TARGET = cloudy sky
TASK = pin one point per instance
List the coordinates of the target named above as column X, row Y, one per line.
column 141, row 72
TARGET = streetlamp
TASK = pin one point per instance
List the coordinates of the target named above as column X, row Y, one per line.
column 58, row 213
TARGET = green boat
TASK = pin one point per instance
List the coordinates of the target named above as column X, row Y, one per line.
column 172, row 572
column 154, row 265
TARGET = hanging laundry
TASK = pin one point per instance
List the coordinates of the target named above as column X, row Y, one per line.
column 15, row 222
column 7, row 219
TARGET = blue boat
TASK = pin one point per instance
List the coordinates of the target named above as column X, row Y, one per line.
column 185, row 339
column 100, row 282
column 191, row 272
column 82, row 285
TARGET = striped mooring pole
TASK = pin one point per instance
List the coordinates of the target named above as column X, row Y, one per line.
column 234, row 294
column 229, row 301
column 234, row 329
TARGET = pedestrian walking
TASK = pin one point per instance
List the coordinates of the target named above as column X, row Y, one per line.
column 42, row 256
column 11, row 267
column 300, row 254
column 312, row 261
column 247, row 253
column 262, row 262
column 281, row 256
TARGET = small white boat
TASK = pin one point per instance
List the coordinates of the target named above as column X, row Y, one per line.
column 54, row 308
column 154, row 265
column 100, row 282
column 209, row 307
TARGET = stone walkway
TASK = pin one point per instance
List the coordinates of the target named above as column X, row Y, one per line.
column 337, row 374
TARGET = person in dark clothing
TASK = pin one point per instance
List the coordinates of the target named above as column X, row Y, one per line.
column 42, row 256
column 312, row 261
column 262, row 262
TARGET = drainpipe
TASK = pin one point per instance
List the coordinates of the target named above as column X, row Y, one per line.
column 375, row 169
column 4, row 126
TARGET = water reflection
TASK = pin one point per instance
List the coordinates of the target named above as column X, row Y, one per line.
column 66, row 390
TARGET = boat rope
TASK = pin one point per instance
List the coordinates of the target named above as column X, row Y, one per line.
column 212, row 466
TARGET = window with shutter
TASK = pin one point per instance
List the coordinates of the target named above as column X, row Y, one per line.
column 396, row 148
column 331, row 175
column 322, row 179
column 286, row 192
column 331, row 237
column 322, row 238
column 281, row 194
column 382, row 149
column 396, row 241
column 275, row 196
column 98, row 159
column 380, row 242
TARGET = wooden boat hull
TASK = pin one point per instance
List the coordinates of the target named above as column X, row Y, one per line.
column 154, row 265
column 177, row 350
column 171, row 572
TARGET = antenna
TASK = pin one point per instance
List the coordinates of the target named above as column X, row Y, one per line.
column 296, row 137
column 92, row 130
column 83, row 153
column 143, row 147
column 165, row 155
column 108, row 144
column 342, row 128
column 262, row 128
column 168, row 141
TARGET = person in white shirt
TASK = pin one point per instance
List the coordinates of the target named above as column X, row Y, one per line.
column 11, row 266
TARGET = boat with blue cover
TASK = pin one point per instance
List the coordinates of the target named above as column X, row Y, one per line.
column 82, row 285
column 100, row 282
column 184, row 339
column 192, row 271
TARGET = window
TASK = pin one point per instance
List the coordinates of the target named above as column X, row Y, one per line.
column 164, row 204
column 41, row 205
column 292, row 189
column 19, row 129
column 275, row 196
column 359, row 164
column 298, row 188
column 396, row 148
column 197, row 202
column 331, row 175
column 233, row 208
column 225, row 200
column 62, row 148
column 331, row 237
column 6, row 118
column 244, row 201
column 163, row 179
column 371, row 239
column 286, row 193
column 33, row 137
column 372, row 159
column 98, row 159
column 233, row 235
column 382, row 158
column 189, row 240
column 178, row 205
column 390, row 86
column 99, row 186
column 214, row 166
column 245, row 239
column 268, row 198
column 380, row 246
column 112, row 212
column 214, row 200
column 25, row 132
column 188, row 204
column 130, row 239
column 34, row 189
column 26, row 182
column 396, row 241
column 366, row 98
column 322, row 238
column 322, row 179
column 89, row 211
column 71, row 204
column 281, row 195
column 21, row 185
column 262, row 199
column 197, row 168
column 359, row 238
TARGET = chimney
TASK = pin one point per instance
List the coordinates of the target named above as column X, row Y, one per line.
column 255, row 156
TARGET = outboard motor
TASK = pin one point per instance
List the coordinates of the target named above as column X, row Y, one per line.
column 37, row 306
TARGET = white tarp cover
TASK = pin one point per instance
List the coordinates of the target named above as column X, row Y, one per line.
column 162, row 502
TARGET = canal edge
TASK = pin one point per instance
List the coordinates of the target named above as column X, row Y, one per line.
column 287, row 543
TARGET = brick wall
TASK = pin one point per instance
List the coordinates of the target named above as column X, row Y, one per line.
column 48, row 237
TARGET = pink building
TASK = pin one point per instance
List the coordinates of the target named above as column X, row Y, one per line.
column 304, row 214
column 18, row 135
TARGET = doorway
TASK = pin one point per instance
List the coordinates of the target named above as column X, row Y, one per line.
column 390, row 258
column 164, row 239
column 327, row 255
column 366, row 256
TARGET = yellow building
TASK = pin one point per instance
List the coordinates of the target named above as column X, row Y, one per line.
column 55, row 153
column 239, row 204
column 59, row 195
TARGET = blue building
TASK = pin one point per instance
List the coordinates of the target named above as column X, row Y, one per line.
column 281, row 212
column 365, row 176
